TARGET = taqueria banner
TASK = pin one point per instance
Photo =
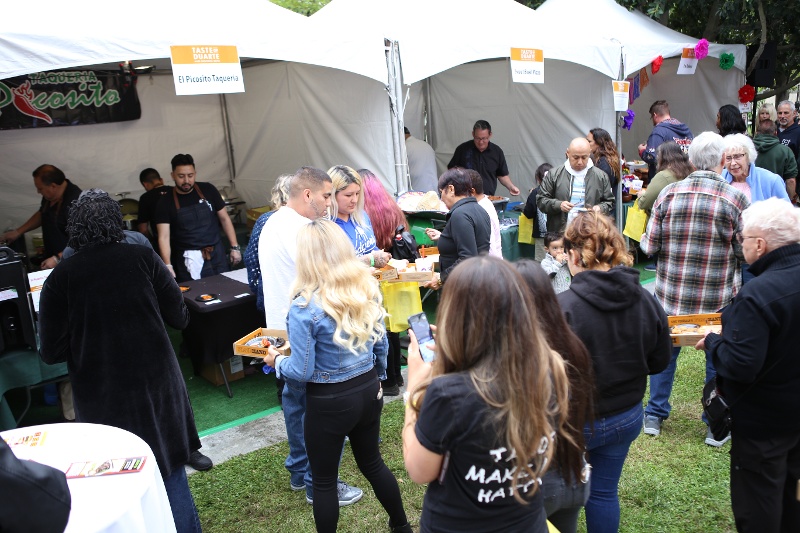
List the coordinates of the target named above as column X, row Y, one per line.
column 68, row 98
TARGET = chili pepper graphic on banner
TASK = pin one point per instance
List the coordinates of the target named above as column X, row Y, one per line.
column 22, row 101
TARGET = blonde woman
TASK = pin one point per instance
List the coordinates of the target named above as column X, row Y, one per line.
column 347, row 210
column 766, row 111
column 339, row 349
column 481, row 418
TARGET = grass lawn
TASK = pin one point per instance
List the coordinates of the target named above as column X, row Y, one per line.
column 671, row 483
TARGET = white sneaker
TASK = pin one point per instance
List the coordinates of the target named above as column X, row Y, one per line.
column 711, row 441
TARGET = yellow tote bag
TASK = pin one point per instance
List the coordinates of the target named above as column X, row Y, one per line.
column 525, row 231
column 635, row 223
column 401, row 299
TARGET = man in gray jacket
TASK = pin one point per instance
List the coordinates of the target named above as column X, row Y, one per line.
column 575, row 185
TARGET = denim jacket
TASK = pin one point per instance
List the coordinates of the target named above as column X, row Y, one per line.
column 316, row 357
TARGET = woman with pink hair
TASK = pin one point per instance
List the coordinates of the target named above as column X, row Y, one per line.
column 386, row 216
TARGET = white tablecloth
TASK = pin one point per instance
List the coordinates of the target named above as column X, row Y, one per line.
column 124, row 503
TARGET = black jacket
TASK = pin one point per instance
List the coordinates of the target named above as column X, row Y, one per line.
column 758, row 348
column 625, row 330
column 35, row 497
column 466, row 234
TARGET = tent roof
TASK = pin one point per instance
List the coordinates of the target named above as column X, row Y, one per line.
column 437, row 35
column 642, row 38
column 259, row 29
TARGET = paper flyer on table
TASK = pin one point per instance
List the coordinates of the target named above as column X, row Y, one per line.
column 107, row 467
column 26, row 440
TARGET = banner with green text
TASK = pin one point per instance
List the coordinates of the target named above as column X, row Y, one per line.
column 68, row 98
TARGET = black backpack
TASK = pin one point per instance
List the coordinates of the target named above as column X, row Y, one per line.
column 404, row 245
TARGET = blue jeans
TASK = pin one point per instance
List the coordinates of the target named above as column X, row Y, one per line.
column 661, row 386
column 608, row 447
column 184, row 512
column 294, row 414
column 563, row 499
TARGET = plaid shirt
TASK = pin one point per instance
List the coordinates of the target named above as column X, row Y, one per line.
column 693, row 229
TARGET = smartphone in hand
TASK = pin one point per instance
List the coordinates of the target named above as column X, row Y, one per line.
column 422, row 330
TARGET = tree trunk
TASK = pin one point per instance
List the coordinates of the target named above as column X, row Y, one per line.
column 712, row 27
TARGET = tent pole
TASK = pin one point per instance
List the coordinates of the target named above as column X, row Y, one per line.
column 390, row 71
column 395, row 89
column 226, row 127
column 618, row 192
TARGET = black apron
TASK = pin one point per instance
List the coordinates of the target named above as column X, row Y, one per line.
column 198, row 224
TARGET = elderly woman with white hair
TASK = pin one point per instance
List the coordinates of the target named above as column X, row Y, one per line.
column 741, row 172
column 757, row 371
column 754, row 182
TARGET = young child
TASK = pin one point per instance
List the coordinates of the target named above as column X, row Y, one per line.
column 555, row 261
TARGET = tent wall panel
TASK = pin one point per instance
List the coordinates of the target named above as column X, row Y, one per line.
column 294, row 115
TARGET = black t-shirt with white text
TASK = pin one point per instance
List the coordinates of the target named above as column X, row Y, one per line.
column 475, row 494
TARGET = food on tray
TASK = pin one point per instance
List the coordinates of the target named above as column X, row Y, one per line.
column 683, row 329
column 429, row 202
column 265, row 341
column 185, row 288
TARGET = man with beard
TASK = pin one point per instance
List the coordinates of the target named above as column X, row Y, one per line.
column 788, row 129
column 188, row 223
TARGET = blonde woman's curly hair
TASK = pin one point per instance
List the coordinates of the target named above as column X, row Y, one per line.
column 329, row 273
column 598, row 242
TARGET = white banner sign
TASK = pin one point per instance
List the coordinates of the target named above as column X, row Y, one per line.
column 527, row 65
column 206, row 69
column 621, row 90
column 688, row 63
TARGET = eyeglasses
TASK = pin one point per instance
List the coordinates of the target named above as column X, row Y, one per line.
column 734, row 157
column 740, row 237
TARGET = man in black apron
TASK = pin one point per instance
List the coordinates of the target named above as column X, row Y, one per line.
column 58, row 193
column 188, row 223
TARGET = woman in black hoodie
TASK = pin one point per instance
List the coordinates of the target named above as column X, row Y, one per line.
column 626, row 333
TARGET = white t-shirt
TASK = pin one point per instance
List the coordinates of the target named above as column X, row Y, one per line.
column 421, row 165
column 277, row 250
column 495, row 245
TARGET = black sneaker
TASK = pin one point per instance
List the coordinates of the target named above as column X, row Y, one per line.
column 200, row 462
column 393, row 390
column 405, row 528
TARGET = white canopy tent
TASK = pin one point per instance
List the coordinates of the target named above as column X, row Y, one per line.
column 301, row 110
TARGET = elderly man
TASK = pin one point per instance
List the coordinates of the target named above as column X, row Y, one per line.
column 775, row 156
column 58, row 193
column 665, row 128
column 755, row 357
column 693, row 230
column 485, row 157
column 788, row 129
column 577, row 184
column 310, row 191
column 188, row 224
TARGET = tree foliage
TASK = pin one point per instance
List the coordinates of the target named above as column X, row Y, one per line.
column 748, row 22
column 304, row 7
